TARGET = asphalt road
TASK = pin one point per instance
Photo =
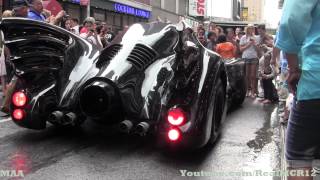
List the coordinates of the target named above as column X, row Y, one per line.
column 249, row 141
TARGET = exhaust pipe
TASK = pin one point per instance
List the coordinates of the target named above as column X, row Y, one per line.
column 69, row 118
column 56, row 116
column 125, row 126
column 100, row 100
column 142, row 128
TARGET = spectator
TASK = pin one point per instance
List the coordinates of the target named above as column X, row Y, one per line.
column 212, row 27
column 67, row 25
column 226, row 49
column 35, row 11
column 20, row 8
column 55, row 20
column 267, row 74
column 200, row 26
column 89, row 33
column 299, row 34
column 101, row 30
column 75, row 28
column 212, row 38
column 3, row 71
column 7, row 13
column 238, row 30
column 47, row 15
column 264, row 38
column 232, row 39
column 250, row 53
column 125, row 28
column 88, row 23
column 240, row 35
column 110, row 35
column 201, row 36
column 231, row 36
column 218, row 30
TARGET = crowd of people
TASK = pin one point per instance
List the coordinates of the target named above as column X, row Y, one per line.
column 252, row 44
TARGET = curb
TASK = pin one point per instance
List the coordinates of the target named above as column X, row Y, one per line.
column 283, row 130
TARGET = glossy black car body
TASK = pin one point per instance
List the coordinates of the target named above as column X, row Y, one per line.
column 144, row 73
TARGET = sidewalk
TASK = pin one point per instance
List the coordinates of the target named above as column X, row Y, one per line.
column 283, row 129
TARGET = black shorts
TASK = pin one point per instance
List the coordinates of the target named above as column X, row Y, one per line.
column 303, row 134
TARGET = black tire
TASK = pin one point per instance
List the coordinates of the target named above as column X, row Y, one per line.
column 240, row 96
column 216, row 110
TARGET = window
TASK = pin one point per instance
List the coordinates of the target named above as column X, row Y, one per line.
column 117, row 20
column 131, row 20
column 125, row 20
column 99, row 15
column 110, row 18
column 73, row 10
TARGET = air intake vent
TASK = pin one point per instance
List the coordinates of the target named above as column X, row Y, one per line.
column 108, row 53
column 142, row 56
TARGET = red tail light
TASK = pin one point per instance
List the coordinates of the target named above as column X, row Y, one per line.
column 18, row 114
column 176, row 116
column 173, row 134
column 19, row 99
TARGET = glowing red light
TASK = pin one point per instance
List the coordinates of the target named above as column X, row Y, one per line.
column 176, row 116
column 19, row 99
column 18, row 114
column 173, row 134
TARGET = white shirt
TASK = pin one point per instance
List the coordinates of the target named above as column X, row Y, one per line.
column 75, row 29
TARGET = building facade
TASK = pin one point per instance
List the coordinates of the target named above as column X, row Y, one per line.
column 252, row 10
column 231, row 10
column 168, row 10
column 172, row 11
column 117, row 13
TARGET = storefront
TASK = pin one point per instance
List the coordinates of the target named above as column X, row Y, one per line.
column 115, row 14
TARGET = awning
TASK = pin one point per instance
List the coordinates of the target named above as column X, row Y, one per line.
column 53, row 6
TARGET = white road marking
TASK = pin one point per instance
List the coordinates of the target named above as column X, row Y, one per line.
column 5, row 120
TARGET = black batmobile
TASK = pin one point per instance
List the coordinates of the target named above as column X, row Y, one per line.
column 156, row 78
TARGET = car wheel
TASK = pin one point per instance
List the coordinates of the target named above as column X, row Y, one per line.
column 240, row 96
column 216, row 107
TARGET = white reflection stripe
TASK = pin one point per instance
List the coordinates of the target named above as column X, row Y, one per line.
column 5, row 120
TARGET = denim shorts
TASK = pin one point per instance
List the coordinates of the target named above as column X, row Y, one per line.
column 303, row 134
column 251, row 60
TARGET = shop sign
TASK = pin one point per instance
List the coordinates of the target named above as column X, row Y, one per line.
column 121, row 8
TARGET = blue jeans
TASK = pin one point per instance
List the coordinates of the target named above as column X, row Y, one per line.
column 303, row 134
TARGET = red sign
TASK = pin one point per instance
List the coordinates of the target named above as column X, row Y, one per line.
column 53, row 6
column 197, row 7
column 84, row 2
column 201, row 7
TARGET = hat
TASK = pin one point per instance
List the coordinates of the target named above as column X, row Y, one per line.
column 19, row 3
column 90, row 20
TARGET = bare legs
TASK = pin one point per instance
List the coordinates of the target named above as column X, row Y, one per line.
column 251, row 76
